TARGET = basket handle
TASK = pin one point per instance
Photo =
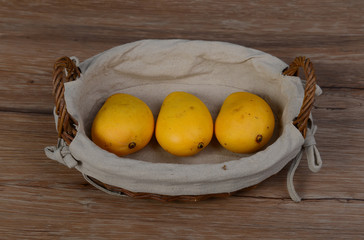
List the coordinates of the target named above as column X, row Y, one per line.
column 302, row 119
column 64, row 70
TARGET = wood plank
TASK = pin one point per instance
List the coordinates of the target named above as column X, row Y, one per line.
column 85, row 214
column 337, row 51
column 190, row 14
column 96, row 28
column 24, row 92
column 30, row 89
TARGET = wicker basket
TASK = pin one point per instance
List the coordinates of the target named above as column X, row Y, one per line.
column 67, row 70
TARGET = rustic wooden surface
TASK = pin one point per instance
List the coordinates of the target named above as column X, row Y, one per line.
column 42, row 199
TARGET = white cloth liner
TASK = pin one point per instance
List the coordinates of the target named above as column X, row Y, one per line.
column 150, row 70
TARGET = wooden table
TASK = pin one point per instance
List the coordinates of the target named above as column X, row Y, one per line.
column 42, row 199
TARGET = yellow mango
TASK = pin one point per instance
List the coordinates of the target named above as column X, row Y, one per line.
column 123, row 125
column 245, row 123
column 184, row 125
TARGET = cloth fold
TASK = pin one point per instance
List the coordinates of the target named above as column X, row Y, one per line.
column 61, row 154
column 313, row 158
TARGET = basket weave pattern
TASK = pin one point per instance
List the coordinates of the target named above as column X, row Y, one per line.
column 65, row 70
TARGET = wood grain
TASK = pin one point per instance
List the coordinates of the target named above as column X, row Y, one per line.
column 42, row 199
column 306, row 32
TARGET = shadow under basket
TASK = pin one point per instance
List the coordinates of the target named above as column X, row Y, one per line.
column 150, row 70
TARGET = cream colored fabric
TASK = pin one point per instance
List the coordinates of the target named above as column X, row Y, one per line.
column 150, row 70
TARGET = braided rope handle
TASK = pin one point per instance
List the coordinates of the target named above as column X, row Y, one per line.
column 64, row 70
column 310, row 87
